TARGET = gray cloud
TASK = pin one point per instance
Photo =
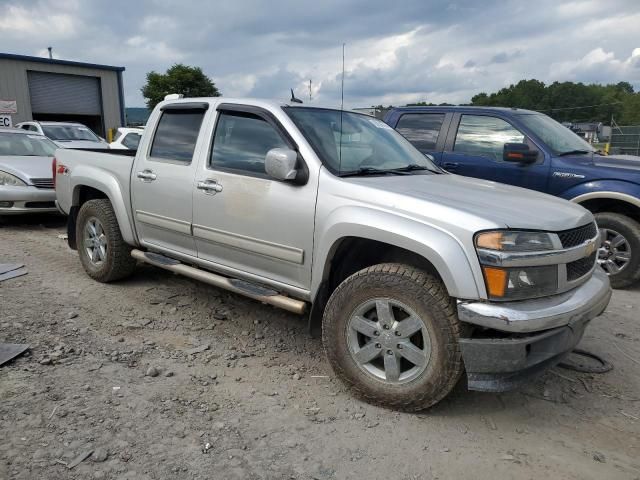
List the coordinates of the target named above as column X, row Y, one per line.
column 434, row 51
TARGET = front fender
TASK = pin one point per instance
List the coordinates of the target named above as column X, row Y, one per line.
column 118, row 195
column 460, row 274
column 612, row 189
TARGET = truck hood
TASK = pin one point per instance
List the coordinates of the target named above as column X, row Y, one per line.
column 503, row 205
column 81, row 144
column 26, row 168
column 621, row 162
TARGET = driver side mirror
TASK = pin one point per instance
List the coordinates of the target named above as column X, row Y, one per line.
column 280, row 163
column 519, row 152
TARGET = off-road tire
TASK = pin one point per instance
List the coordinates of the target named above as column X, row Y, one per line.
column 630, row 229
column 119, row 263
column 427, row 296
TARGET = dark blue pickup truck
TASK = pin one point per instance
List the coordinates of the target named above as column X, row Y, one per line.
column 531, row 150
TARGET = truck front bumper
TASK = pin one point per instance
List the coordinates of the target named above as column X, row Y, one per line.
column 522, row 339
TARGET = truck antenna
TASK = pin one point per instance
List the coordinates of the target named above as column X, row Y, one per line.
column 294, row 99
column 341, row 110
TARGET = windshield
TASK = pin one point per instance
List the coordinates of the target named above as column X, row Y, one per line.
column 367, row 143
column 69, row 132
column 557, row 137
column 26, row 145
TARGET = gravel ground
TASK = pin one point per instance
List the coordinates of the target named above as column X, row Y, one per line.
column 162, row 377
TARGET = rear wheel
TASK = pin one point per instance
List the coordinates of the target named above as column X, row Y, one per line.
column 391, row 334
column 103, row 253
column 619, row 252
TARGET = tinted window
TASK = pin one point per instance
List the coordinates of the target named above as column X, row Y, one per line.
column 176, row 135
column 131, row 141
column 485, row 136
column 421, row 129
column 242, row 141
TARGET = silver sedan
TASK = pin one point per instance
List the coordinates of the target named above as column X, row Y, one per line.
column 26, row 178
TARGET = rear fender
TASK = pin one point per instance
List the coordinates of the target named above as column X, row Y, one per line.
column 118, row 195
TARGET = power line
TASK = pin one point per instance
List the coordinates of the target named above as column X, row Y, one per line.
column 578, row 108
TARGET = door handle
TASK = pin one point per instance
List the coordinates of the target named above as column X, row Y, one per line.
column 450, row 165
column 146, row 175
column 210, row 187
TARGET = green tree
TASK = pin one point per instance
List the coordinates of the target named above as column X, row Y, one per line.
column 189, row 81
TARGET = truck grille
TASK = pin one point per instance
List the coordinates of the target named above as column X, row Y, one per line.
column 581, row 267
column 577, row 236
column 42, row 182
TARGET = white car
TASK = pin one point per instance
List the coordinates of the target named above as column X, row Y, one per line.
column 127, row 138
column 66, row 134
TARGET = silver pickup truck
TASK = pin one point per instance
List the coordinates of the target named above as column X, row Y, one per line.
column 413, row 275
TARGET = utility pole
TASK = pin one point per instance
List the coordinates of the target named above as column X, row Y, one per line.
column 309, row 89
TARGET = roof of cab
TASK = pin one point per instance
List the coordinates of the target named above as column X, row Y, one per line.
column 462, row 108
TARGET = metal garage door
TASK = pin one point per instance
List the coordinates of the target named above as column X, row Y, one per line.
column 64, row 94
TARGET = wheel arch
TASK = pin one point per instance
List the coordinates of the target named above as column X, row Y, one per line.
column 87, row 187
column 615, row 202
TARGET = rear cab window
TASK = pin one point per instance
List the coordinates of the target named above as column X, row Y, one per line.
column 176, row 135
column 421, row 129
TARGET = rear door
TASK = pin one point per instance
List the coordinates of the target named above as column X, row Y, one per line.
column 475, row 146
column 162, row 183
column 426, row 131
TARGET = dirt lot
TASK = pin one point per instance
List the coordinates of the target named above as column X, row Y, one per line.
column 149, row 372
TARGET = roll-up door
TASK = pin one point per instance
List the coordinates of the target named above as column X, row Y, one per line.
column 57, row 93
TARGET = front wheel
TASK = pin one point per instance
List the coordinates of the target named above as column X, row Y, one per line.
column 391, row 334
column 103, row 253
column 619, row 252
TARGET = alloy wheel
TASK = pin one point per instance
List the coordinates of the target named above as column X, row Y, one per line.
column 388, row 340
column 614, row 253
column 95, row 241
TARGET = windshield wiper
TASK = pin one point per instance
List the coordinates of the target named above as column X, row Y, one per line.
column 413, row 167
column 571, row 152
column 371, row 171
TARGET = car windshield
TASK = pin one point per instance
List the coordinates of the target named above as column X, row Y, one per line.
column 69, row 132
column 352, row 143
column 558, row 138
column 26, row 145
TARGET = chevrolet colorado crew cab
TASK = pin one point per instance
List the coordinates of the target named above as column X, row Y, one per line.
column 413, row 275
column 529, row 149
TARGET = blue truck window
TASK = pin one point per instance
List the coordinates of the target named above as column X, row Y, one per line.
column 485, row 136
column 421, row 129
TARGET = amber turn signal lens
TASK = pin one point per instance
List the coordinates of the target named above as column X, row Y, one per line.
column 496, row 280
column 491, row 240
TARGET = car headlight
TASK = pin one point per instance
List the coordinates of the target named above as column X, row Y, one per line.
column 8, row 180
column 516, row 283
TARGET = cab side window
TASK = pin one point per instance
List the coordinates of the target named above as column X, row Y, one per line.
column 421, row 129
column 241, row 142
column 485, row 136
column 176, row 135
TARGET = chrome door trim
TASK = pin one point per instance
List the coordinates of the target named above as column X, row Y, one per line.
column 249, row 244
column 161, row 221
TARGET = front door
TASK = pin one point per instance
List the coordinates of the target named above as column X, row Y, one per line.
column 162, row 183
column 477, row 148
column 243, row 219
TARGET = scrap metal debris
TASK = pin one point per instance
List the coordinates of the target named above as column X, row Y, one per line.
column 9, row 351
column 11, row 270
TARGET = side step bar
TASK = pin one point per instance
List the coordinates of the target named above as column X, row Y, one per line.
column 247, row 289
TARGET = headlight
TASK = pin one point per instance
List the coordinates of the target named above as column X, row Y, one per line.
column 513, row 241
column 517, row 283
column 7, row 180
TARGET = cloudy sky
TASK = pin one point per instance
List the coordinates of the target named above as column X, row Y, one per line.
column 396, row 52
